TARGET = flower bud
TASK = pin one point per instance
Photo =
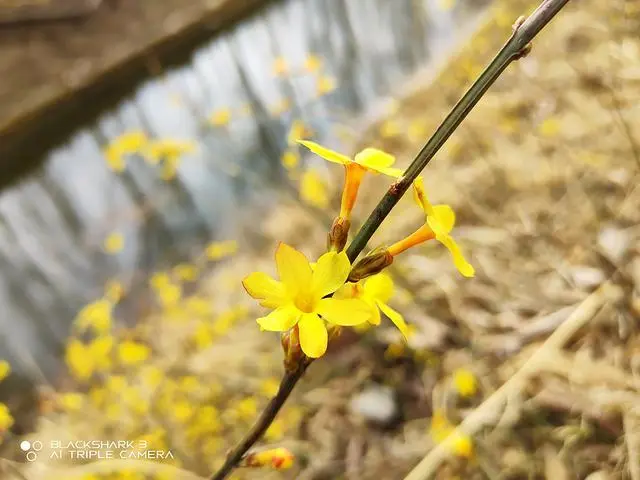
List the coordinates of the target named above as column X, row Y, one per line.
column 374, row 262
column 278, row 458
column 337, row 237
column 293, row 355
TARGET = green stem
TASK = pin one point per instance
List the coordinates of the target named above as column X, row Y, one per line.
column 516, row 47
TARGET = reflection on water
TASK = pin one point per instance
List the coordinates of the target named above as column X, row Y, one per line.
column 54, row 223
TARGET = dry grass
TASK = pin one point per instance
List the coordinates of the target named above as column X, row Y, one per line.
column 543, row 177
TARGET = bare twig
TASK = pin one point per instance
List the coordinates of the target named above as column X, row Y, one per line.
column 492, row 405
column 516, row 47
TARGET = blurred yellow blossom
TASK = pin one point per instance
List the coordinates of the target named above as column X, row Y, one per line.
column 278, row 458
column 168, row 149
column 6, row 419
column 203, row 335
column 185, row 271
column 376, row 291
column 128, row 143
column 313, row 189
column 298, row 131
column 220, row 118
column 550, row 127
column 183, row 411
column 312, row 63
column 280, row 67
column 290, row 159
column 441, row 430
column 5, row 369
column 113, row 291
column 133, row 353
column 218, row 250
column 79, row 359
column 96, row 315
column 298, row 298
column 325, row 84
column 269, row 387
column 114, row 243
column 71, row 401
column 465, row 382
column 169, row 295
column 152, row 375
column 100, row 350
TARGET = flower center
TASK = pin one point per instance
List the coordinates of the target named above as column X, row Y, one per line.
column 305, row 302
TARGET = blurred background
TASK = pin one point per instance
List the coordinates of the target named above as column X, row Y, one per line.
column 148, row 163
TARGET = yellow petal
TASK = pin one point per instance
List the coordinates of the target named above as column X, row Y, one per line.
column 374, row 158
column 396, row 318
column 280, row 320
column 446, row 217
column 464, row 267
column 293, row 268
column 262, row 287
column 330, row 273
column 420, row 196
column 345, row 312
column 379, row 287
column 326, row 153
column 391, row 172
column 313, row 335
column 375, row 312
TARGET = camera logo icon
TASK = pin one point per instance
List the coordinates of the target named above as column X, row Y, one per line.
column 31, row 449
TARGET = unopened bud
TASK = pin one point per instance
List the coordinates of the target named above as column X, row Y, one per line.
column 374, row 262
column 293, row 355
column 337, row 237
column 278, row 458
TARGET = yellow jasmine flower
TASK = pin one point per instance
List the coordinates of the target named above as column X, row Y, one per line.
column 465, row 382
column 218, row 250
column 79, row 359
column 441, row 430
column 183, row 411
column 100, row 351
column 280, row 67
column 169, row 295
column 290, row 159
column 269, row 387
column 114, row 243
column 127, row 144
column 550, row 127
column 439, row 223
column 71, row 401
column 96, row 315
column 325, row 85
column 220, row 118
column 168, row 149
column 276, row 431
column 6, row 419
column 278, row 458
column 297, row 132
column 376, row 291
column 312, row 63
column 313, row 189
column 5, row 369
column 298, row 299
column 133, row 353
column 368, row 160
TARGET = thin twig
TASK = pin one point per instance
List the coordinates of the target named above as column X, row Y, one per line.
column 289, row 380
column 492, row 405
column 516, row 47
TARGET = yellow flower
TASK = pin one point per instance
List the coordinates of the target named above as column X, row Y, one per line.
column 290, row 159
column 96, row 315
column 133, row 353
column 465, row 382
column 114, row 243
column 168, row 149
column 71, row 401
column 6, row 419
column 79, row 359
column 280, row 67
column 550, row 127
column 278, row 458
column 183, row 411
column 313, row 189
column 100, row 351
column 220, row 118
column 461, row 444
column 368, row 160
column 152, row 376
column 113, row 291
column 218, row 250
column 127, row 144
column 376, row 291
column 298, row 298
column 297, row 132
column 312, row 63
column 439, row 223
column 325, row 85
column 269, row 387
column 169, row 295
column 5, row 369
column 186, row 272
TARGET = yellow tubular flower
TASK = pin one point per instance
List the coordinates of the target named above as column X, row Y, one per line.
column 368, row 160
column 376, row 291
column 440, row 220
column 298, row 298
